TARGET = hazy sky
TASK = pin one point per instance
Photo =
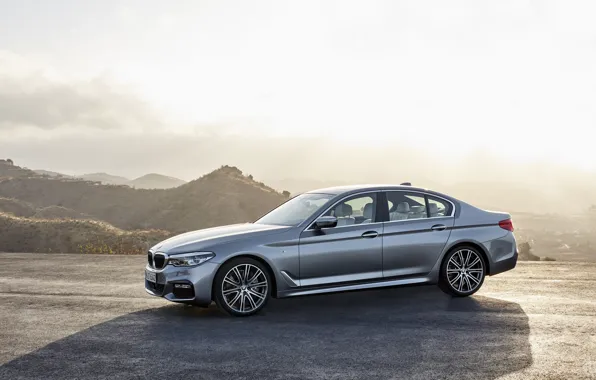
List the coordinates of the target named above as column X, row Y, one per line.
column 181, row 87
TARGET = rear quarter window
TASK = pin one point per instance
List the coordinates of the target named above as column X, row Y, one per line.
column 438, row 207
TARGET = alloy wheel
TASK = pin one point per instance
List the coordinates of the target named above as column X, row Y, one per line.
column 244, row 288
column 465, row 271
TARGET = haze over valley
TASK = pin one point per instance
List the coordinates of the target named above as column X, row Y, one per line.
column 142, row 108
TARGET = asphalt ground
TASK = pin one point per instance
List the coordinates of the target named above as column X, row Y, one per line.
column 68, row 316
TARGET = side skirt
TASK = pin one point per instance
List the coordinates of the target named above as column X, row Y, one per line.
column 360, row 286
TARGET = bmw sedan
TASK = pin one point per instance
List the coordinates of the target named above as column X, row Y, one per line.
column 332, row 240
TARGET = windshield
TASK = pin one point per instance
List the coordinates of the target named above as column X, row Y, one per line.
column 296, row 210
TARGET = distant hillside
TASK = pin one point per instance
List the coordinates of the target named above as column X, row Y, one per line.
column 69, row 236
column 10, row 170
column 148, row 181
column 155, row 181
column 17, row 207
column 24, row 209
column 224, row 196
column 105, row 178
column 50, row 173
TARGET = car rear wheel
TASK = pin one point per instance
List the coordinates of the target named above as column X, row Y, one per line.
column 242, row 287
column 462, row 272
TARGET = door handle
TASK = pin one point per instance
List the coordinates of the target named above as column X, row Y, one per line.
column 370, row 234
column 438, row 227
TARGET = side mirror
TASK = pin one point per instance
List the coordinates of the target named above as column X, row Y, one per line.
column 326, row 222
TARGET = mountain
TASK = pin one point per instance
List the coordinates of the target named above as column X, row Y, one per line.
column 155, row 181
column 105, row 178
column 224, row 196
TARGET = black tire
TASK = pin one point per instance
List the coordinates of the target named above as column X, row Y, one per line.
column 231, row 279
column 466, row 280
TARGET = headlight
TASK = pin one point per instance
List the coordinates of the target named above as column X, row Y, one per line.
column 190, row 259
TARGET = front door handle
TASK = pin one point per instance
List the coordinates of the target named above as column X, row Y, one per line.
column 370, row 234
column 438, row 227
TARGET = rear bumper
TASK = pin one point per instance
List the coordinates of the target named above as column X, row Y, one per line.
column 504, row 264
column 188, row 285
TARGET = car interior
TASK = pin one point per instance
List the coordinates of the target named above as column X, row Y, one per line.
column 401, row 205
column 406, row 206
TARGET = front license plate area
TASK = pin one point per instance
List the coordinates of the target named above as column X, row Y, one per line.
column 150, row 276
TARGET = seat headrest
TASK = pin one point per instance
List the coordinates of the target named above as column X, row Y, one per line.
column 367, row 212
column 433, row 208
column 343, row 209
column 403, row 207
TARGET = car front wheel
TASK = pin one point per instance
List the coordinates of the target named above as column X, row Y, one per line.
column 242, row 287
column 462, row 272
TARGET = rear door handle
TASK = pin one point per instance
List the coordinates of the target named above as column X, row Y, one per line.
column 438, row 227
column 370, row 234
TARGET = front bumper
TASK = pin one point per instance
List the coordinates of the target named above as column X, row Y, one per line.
column 177, row 284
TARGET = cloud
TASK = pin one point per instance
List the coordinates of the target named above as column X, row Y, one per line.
column 34, row 99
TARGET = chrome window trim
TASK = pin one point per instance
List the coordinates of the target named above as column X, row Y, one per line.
column 423, row 193
column 412, row 220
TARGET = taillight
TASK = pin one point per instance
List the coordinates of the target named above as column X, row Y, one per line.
column 506, row 224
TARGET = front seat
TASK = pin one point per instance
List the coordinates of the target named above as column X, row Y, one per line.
column 367, row 212
column 343, row 213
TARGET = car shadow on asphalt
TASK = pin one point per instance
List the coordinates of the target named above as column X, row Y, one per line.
column 415, row 332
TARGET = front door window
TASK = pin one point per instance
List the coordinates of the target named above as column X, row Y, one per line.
column 359, row 209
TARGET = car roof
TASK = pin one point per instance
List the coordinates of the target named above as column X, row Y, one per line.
column 337, row 190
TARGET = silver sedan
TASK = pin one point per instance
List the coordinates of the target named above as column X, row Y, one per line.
column 332, row 240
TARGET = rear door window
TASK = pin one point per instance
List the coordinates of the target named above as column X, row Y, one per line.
column 404, row 205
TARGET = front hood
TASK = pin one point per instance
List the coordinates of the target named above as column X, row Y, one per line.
column 195, row 241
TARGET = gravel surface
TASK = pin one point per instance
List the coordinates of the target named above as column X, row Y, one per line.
column 88, row 317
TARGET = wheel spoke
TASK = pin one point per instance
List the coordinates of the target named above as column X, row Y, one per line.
column 467, row 259
column 452, row 261
column 253, row 304
column 476, row 281
column 254, row 277
column 474, row 262
column 231, row 303
column 231, row 282
column 260, row 296
column 453, row 281
column 238, row 275
column 258, row 284
column 242, row 302
column 246, row 270
column 461, row 258
column 229, row 291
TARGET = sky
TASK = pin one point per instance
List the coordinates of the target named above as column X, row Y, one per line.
column 300, row 89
